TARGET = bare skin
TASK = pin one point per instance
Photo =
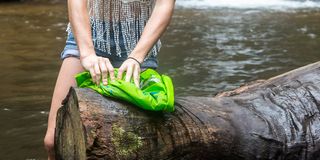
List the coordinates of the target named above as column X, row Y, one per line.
column 99, row 67
column 69, row 68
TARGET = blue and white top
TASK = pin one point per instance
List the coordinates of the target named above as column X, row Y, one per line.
column 118, row 24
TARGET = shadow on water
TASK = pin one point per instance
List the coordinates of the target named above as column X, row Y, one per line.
column 205, row 51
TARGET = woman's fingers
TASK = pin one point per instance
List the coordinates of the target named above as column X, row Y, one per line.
column 93, row 74
column 129, row 73
column 97, row 73
column 99, row 68
column 136, row 76
column 120, row 71
column 132, row 69
column 104, row 70
column 110, row 69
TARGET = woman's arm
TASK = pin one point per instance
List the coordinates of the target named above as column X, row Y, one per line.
column 80, row 24
column 155, row 27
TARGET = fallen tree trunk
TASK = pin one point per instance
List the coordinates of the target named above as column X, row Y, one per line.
column 276, row 118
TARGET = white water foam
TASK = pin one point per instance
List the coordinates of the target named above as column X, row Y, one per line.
column 248, row 4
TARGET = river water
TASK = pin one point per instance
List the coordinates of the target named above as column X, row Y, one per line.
column 210, row 46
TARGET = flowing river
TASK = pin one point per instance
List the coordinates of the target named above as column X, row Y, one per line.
column 211, row 46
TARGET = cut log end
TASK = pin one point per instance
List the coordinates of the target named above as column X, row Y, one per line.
column 70, row 137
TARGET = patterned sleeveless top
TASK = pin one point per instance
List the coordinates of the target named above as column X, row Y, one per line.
column 117, row 25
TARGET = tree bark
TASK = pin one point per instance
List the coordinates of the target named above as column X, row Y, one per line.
column 276, row 118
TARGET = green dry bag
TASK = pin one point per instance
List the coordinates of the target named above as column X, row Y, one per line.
column 156, row 91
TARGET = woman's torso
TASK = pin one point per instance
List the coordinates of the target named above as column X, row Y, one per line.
column 117, row 25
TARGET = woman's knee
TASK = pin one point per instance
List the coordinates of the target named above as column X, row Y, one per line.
column 49, row 142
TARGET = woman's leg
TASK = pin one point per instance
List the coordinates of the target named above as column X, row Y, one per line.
column 69, row 68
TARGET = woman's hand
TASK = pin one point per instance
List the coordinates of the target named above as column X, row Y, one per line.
column 99, row 68
column 132, row 69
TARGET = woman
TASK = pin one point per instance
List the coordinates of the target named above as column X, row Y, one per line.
column 108, row 34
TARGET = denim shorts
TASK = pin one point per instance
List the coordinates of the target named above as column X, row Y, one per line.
column 71, row 50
